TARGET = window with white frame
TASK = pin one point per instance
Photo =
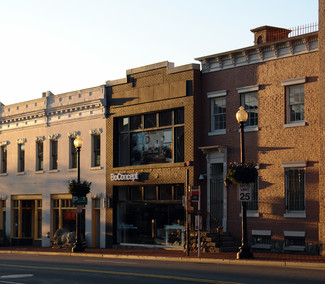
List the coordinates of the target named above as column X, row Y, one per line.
column 261, row 239
column 3, row 157
column 95, row 150
column 39, row 155
column 295, row 100
column 249, row 100
column 218, row 111
column 21, row 157
column 295, row 186
column 53, row 154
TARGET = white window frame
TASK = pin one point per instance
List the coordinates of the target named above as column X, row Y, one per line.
column 287, row 84
column 242, row 91
column 93, row 153
column 295, row 165
column 21, row 169
column 212, row 96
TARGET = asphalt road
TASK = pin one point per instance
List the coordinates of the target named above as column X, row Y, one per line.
column 16, row 269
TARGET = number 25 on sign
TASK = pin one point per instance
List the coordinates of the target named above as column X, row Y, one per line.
column 245, row 192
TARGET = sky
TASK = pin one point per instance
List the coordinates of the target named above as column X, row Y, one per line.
column 68, row 45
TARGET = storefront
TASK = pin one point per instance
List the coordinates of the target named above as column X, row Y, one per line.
column 150, row 214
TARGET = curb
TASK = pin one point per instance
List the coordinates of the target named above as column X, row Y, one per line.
column 292, row 264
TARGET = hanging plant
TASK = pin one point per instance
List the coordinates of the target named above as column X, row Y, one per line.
column 79, row 189
column 241, row 173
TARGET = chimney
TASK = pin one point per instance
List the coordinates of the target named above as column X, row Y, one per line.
column 268, row 34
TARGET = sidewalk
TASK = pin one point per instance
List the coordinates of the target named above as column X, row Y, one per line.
column 269, row 259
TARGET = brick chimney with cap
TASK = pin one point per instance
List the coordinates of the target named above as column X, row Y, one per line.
column 268, row 34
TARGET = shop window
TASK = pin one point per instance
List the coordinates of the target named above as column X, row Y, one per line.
column 178, row 191
column 21, row 157
column 154, row 146
column 64, row 215
column 135, row 122
column 3, row 157
column 27, row 218
column 150, row 120
column 73, row 153
column 123, row 193
column 54, row 154
column 165, row 192
column 95, row 150
column 150, row 192
column 136, row 193
column 165, row 118
column 39, row 155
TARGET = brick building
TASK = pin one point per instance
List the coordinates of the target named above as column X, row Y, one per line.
column 150, row 135
column 277, row 80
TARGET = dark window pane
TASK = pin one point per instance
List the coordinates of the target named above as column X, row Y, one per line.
column 136, row 193
column 123, row 193
column 178, row 191
column 124, row 150
column 150, row 192
column 165, row 192
column 179, row 144
column 165, row 118
column 135, row 122
column 179, row 116
column 123, row 124
column 150, row 120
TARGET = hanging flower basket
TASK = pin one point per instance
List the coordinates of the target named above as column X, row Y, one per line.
column 241, row 173
column 79, row 189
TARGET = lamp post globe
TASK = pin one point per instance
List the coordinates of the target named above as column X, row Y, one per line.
column 241, row 115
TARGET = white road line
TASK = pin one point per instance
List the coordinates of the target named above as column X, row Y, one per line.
column 16, row 276
column 10, row 282
column 107, row 261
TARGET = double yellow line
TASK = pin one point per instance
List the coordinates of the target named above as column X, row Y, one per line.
column 188, row 279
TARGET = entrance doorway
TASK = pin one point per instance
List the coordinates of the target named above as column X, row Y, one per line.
column 216, row 195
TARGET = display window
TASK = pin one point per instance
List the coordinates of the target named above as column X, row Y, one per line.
column 151, row 138
column 150, row 214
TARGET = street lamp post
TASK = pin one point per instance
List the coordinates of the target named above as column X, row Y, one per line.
column 244, row 249
column 78, row 247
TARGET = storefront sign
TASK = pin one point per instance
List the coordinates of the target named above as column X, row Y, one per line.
column 124, row 177
column 79, row 200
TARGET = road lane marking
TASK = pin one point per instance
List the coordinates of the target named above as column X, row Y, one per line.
column 10, row 282
column 123, row 274
column 16, row 276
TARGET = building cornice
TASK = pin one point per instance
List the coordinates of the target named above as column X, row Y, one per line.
column 260, row 53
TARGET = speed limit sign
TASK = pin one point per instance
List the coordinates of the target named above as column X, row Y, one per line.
column 245, row 192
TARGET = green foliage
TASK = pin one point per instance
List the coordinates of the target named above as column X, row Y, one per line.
column 79, row 189
column 241, row 173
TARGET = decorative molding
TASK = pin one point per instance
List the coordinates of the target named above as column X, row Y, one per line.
column 306, row 42
column 54, row 137
column 298, row 164
column 274, row 47
column 232, row 58
column 294, row 81
column 260, row 53
column 290, row 46
column 3, row 143
column 246, row 55
column 73, row 134
column 21, row 140
column 39, row 138
column 248, row 89
column 96, row 131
